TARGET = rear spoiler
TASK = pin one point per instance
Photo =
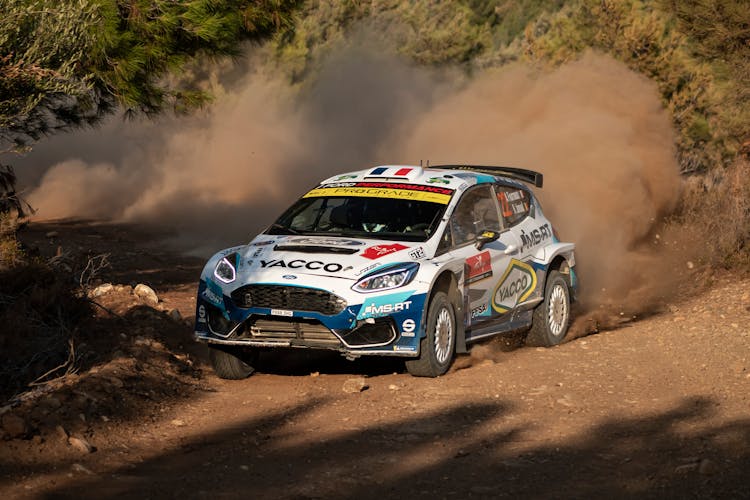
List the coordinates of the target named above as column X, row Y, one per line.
column 520, row 174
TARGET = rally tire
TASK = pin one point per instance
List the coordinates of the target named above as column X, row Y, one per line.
column 232, row 363
column 551, row 318
column 437, row 348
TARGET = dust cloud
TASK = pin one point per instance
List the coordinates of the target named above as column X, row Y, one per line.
column 595, row 129
column 218, row 178
column 600, row 135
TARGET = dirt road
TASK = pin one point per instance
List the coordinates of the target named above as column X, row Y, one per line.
column 658, row 408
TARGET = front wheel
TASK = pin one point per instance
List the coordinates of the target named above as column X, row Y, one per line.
column 552, row 317
column 232, row 363
column 437, row 347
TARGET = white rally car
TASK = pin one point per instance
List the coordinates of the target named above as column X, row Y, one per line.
column 394, row 261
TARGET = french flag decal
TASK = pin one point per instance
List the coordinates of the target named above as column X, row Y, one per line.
column 401, row 172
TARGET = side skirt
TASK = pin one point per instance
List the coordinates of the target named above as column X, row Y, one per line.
column 519, row 321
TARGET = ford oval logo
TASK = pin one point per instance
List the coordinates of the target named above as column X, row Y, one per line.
column 289, row 277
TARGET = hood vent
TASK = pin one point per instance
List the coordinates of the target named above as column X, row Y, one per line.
column 317, row 249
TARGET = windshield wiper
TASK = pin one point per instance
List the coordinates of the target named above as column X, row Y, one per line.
column 289, row 230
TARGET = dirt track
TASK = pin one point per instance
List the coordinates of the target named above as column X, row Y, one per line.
column 658, row 408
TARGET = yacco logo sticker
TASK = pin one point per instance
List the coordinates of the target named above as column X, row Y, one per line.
column 479, row 267
column 387, row 304
column 516, row 284
column 312, row 265
column 378, row 251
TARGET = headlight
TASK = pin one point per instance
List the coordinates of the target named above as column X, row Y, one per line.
column 225, row 270
column 385, row 279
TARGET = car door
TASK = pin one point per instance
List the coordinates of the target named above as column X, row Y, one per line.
column 518, row 282
column 476, row 212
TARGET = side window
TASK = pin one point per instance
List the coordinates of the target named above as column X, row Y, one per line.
column 445, row 241
column 514, row 204
column 476, row 212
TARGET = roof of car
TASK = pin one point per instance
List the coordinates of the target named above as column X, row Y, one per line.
column 451, row 176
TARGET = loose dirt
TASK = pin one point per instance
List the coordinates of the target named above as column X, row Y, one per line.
column 657, row 408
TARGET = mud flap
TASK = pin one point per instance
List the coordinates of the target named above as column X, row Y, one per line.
column 460, row 301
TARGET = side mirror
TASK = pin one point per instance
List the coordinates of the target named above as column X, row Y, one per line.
column 486, row 237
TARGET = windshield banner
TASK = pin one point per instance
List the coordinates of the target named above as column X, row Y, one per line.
column 399, row 191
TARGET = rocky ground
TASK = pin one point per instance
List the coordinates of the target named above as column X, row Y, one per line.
column 657, row 408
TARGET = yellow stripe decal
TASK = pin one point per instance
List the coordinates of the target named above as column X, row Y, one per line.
column 400, row 194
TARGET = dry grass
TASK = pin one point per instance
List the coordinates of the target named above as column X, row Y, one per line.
column 714, row 217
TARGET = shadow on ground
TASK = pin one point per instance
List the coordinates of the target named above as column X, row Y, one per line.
column 472, row 451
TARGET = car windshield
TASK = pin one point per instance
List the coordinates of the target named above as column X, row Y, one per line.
column 361, row 217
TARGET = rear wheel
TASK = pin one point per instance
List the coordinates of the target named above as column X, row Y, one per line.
column 232, row 363
column 437, row 347
column 552, row 317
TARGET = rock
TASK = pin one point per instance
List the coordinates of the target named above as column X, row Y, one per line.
column 354, row 385
column 707, row 467
column 178, row 423
column 684, row 469
column 315, row 374
column 116, row 382
column 690, row 265
column 146, row 294
column 51, row 403
column 81, row 469
column 393, row 387
column 81, row 444
column 52, row 234
column 102, row 289
column 14, row 426
column 175, row 315
column 37, row 439
column 61, row 432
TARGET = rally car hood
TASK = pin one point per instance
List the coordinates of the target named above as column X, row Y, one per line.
column 280, row 259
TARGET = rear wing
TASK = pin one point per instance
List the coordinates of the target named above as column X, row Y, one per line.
column 520, row 174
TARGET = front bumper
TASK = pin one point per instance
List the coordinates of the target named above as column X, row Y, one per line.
column 386, row 324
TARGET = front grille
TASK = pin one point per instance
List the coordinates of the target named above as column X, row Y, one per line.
column 302, row 332
column 291, row 298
